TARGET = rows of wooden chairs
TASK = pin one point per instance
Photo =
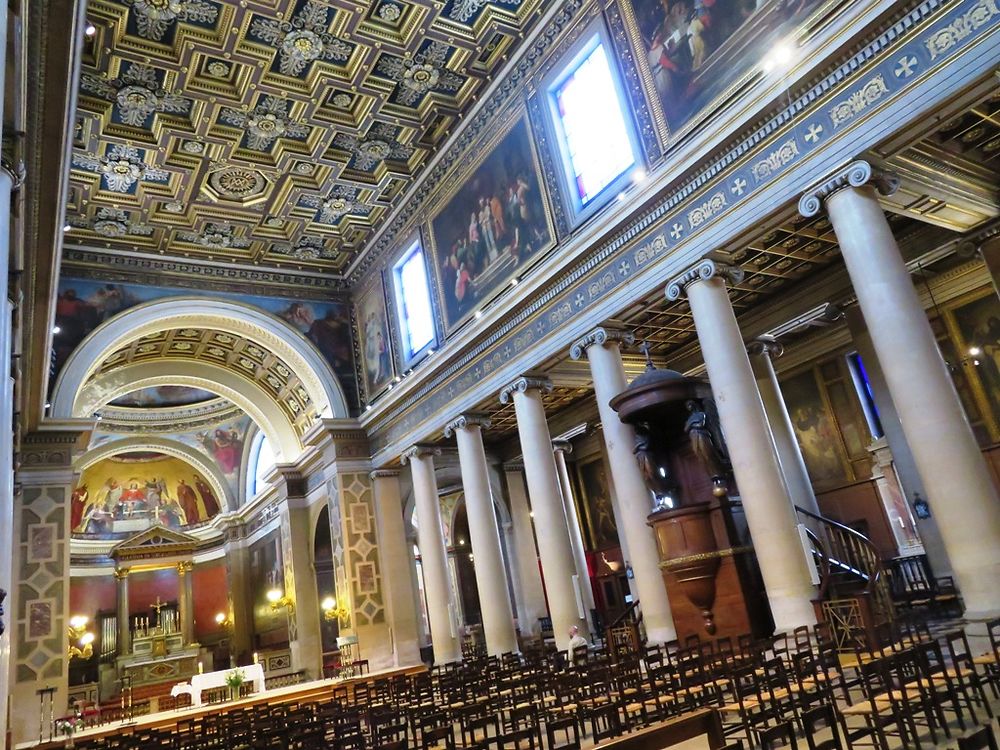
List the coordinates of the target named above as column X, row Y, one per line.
column 770, row 693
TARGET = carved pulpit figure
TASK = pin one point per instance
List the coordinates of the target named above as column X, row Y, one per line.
column 703, row 445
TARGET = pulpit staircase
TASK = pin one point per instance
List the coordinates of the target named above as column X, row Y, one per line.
column 854, row 596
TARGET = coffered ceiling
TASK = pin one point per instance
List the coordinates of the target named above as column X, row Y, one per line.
column 272, row 133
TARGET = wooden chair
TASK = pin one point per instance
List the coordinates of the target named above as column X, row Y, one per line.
column 981, row 739
column 781, row 735
column 569, row 730
column 967, row 680
column 438, row 738
column 821, row 719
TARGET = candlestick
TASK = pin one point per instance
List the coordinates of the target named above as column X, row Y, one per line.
column 255, row 658
column 201, row 668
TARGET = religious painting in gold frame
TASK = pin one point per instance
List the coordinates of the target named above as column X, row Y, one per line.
column 595, row 486
column 374, row 339
column 695, row 58
column 973, row 325
column 493, row 224
column 815, row 428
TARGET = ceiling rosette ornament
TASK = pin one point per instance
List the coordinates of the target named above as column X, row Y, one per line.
column 120, row 168
column 341, row 201
column 378, row 145
column 154, row 17
column 215, row 237
column 302, row 39
column 265, row 123
column 425, row 71
column 112, row 223
column 306, row 248
column 137, row 93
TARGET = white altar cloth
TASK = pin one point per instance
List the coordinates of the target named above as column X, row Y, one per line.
column 251, row 673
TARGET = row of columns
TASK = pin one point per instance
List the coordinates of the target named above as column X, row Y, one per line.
column 767, row 461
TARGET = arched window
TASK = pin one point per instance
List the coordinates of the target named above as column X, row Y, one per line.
column 261, row 462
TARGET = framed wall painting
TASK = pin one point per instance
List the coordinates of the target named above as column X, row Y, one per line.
column 694, row 55
column 493, row 225
column 815, row 428
column 602, row 527
column 973, row 324
column 374, row 339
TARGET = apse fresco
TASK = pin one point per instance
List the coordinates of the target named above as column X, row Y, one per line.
column 83, row 305
column 164, row 396
column 131, row 492
column 491, row 228
column 696, row 49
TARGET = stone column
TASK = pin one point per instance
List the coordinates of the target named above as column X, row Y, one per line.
column 185, row 601
column 394, row 551
column 902, row 457
column 763, row 350
column 531, row 600
column 240, row 604
column 484, row 534
column 304, row 629
column 602, row 350
column 554, row 543
column 124, row 632
column 770, row 515
column 433, row 555
column 960, row 490
column 39, row 603
column 560, row 449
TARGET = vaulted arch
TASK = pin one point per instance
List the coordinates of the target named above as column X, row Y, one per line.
column 272, row 334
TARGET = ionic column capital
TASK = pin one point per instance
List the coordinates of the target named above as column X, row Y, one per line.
column 765, row 345
column 856, row 174
column 467, row 420
column 419, row 451
column 600, row 336
column 562, row 446
column 383, row 474
column 703, row 270
column 524, row 384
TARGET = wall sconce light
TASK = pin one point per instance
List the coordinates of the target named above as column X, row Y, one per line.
column 277, row 599
column 81, row 642
column 223, row 620
column 331, row 610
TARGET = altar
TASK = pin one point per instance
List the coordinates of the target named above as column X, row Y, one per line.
column 253, row 673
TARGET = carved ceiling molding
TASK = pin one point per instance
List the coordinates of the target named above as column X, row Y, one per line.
column 275, row 135
column 88, row 263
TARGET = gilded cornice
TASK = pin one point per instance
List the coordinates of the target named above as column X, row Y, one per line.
column 601, row 336
column 703, row 270
column 856, row 174
column 106, row 265
column 524, row 384
column 481, row 421
column 669, row 231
